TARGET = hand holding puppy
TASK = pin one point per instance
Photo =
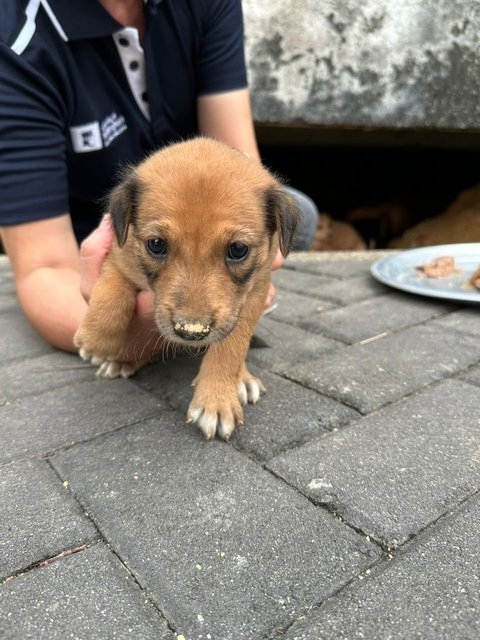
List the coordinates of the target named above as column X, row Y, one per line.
column 143, row 335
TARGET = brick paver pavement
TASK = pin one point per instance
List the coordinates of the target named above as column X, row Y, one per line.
column 347, row 507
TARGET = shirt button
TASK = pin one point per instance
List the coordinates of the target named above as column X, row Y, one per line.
column 145, row 96
column 124, row 42
column 134, row 65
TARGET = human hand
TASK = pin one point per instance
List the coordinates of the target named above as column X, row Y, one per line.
column 276, row 264
column 93, row 251
column 143, row 339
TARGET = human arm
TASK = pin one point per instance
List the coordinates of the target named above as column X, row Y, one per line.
column 143, row 339
column 34, row 224
column 45, row 262
column 54, row 279
column 227, row 116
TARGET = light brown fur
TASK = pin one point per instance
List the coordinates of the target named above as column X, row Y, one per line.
column 199, row 197
column 460, row 222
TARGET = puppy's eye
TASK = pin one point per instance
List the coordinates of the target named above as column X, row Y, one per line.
column 157, row 247
column 237, row 251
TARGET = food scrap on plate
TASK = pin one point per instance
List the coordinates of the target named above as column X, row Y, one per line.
column 441, row 267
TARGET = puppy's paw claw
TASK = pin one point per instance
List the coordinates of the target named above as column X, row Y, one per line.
column 107, row 369
column 249, row 390
column 207, row 422
column 90, row 357
column 99, row 350
column 226, row 426
column 84, row 354
column 211, row 422
column 112, row 369
column 216, row 406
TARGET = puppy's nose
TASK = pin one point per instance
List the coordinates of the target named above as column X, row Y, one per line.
column 191, row 330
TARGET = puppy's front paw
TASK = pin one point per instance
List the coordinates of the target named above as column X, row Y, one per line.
column 249, row 388
column 113, row 369
column 97, row 347
column 215, row 409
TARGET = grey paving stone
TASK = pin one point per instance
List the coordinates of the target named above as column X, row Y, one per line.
column 8, row 299
column 287, row 416
column 39, row 516
column 353, row 290
column 58, row 418
column 310, row 284
column 339, row 291
column 472, row 376
column 287, row 345
column 88, row 595
column 7, row 303
column 369, row 318
column 296, row 309
column 344, row 265
column 396, row 471
column 180, row 513
column 171, row 381
column 7, row 284
column 464, row 320
column 431, row 592
column 367, row 376
column 31, row 376
column 17, row 338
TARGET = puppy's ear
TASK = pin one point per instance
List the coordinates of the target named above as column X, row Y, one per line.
column 282, row 216
column 122, row 205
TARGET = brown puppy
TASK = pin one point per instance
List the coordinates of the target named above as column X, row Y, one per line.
column 198, row 224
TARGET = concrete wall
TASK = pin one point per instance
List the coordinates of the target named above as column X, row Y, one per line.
column 367, row 63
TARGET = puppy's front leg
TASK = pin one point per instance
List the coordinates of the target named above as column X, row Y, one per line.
column 223, row 383
column 101, row 335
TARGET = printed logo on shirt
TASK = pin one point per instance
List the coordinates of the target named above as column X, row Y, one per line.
column 94, row 135
column 86, row 137
column 112, row 126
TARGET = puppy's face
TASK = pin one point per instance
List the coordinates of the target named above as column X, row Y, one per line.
column 198, row 223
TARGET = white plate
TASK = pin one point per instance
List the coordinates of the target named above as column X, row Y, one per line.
column 399, row 271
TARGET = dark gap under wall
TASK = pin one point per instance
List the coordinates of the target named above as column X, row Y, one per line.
column 423, row 181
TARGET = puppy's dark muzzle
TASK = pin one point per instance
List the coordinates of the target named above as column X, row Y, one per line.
column 191, row 331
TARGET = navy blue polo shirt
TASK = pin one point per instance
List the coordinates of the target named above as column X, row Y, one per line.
column 80, row 96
